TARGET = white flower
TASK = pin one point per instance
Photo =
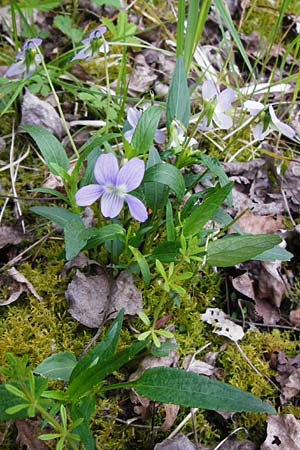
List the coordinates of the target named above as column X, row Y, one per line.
column 269, row 121
column 220, row 102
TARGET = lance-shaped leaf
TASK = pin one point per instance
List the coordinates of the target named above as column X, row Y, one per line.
column 204, row 212
column 144, row 132
column 178, row 103
column 233, row 250
column 180, row 387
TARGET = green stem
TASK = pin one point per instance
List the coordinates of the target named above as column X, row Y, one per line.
column 58, row 104
column 108, row 98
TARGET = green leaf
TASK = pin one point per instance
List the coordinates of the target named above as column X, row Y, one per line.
column 154, row 192
column 66, row 26
column 85, row 409
column 114, row 3
column 76, row 237
column 277, row 253
column 166, row 251
column 103, row 350
column 204, row 212
column 144, row 132
column 233, row 250
column 180, row 387
column 60, row 216
column 53, row 192
column 9, row 400
column 170, row 227
column 224, row 14
column 100, row 368
column 168, row 175
column 45, row 5
column 58, row 366
column 96, row 236
column 178, row 103
column 142, row 262
column 50, row 147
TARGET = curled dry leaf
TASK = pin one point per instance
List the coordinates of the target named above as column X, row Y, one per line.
column 28, row 432
column 283, row 433
column 41, row 113
column 179, row 442
column 10, row 236
column 142, row 76
column 289, row 374
column 263, row 281
column 97, row 298
column 17, row 284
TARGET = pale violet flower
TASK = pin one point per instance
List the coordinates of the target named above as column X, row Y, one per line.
column 216, row 105
column 113, row 185
column 268, row 121
column 178, row 136
column 26, row 60
column 133, row 116
column 93, row 44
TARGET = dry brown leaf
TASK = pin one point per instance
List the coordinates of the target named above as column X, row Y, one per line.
column 17, row 284
column 244, row 284
column 41, row 113
column 97, row 298
column 235, row 444
column 142, row 76
column 28, row 431
column 283, row 433
column 10, row 236
column 289, row 374
column 179, row 442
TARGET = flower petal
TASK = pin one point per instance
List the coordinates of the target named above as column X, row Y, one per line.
column 16, row 69
column 32, row 43
column 203, row 125
column 159, row 137
column 137, row 208
column 224, row 100
column 104, row 48
column 106, row 169
column 111, row 204
column 253, row 107
column 133, row 116
column 128, row 135
column 131, row 174
column 280, row 126
column 84, row 53
column 258, row 132
column 209, row 90
column 88, row 194
column 223, row 121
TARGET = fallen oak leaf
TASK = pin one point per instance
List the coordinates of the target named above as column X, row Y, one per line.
column 17, row 285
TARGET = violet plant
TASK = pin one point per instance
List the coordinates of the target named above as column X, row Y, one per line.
column 26, row 60
column 167, row 237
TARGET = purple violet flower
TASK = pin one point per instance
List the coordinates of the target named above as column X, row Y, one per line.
column 133, row 116
column 93, row 44
column 113, row 187
column 26, row 60
column 268, row 121
column 217, row 103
